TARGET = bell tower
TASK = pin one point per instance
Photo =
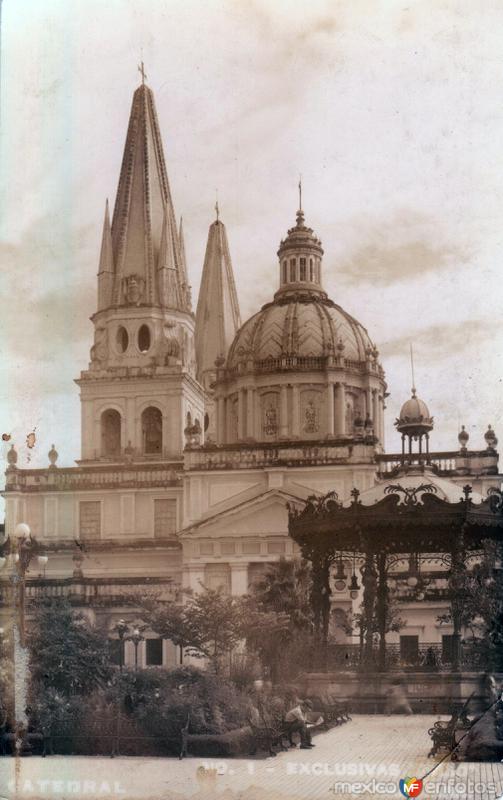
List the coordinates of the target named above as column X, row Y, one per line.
column 140, row 390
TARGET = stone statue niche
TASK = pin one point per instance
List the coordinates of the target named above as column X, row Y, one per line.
column 99, row 350
column 168, row 351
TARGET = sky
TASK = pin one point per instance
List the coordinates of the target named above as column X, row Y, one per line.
column 391, row 111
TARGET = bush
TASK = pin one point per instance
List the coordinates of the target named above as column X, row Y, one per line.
column 140, row 713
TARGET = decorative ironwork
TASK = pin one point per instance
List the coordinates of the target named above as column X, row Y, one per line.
column 411, row 492
column 495, row 498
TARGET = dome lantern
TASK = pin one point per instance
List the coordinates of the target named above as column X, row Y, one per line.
column 300, row 255
column 415, row 423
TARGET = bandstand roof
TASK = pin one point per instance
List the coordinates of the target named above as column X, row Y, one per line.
column 411, row 513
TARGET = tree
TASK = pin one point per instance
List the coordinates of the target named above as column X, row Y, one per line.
column 208, row 625
column 67, row 653
column 478, row 594
column 279, row 617
column 285, row 588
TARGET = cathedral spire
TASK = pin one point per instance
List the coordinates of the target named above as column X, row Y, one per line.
column 217, row 316
column 106, row 268
column 143, row 208
column 169, row 284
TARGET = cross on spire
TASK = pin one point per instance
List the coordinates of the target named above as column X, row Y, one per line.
column 300, row 192
column 217, row 210
column 141, row 70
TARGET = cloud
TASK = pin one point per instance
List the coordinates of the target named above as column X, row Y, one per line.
column 399, row 250
column 442, row 341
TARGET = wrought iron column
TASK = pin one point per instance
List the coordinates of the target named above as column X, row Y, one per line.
column 382, row 608
column 457, row 573
column 369, row 581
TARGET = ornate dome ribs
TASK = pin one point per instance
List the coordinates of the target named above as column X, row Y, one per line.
column 301, row 330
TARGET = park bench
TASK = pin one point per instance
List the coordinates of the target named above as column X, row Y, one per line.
column 444, row 733
column 235, row 742
column 334, row 712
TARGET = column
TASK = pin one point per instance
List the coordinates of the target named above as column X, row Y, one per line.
column 250, row 413
column 381, row 420
column 375, row 413
column 241, row 415
column 239, row 578
column 368, row 404
column 97, row 438
column 330, row 409
column 340, row 413
column 283, row 412
column 295, row 412
column 220, row 420
column 130, row 423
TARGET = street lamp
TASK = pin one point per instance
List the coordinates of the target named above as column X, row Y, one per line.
column 136, row 637
column 121, row 628
column 21, row 552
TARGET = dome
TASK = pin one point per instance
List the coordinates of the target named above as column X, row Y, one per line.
column 414, row 417
column 298, row 330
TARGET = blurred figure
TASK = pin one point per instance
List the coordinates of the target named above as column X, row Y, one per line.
column 397, row 700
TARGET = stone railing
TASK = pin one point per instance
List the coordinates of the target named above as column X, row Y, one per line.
column 301, row 364
column 275, row 455
column 448, row 463
column 95, row 591
column 60, row 479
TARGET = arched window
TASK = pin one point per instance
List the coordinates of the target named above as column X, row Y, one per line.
column 144, row 339
column 151, row 427
column 311, row 270
column 122, row 339
column 292, row 270
column 302, row 269
column 110, row 433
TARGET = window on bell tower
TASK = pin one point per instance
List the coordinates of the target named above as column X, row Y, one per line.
column 151, row 425
column 302, row 269
column 110, row 433
column 292, row 270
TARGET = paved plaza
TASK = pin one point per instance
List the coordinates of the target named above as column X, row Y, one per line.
column 365, row 757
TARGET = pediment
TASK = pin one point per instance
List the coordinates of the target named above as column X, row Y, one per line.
column 262, row 515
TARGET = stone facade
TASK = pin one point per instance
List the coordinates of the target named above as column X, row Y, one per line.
column 196, row 431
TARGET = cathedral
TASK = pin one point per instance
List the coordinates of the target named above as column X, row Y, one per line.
column 198, row 429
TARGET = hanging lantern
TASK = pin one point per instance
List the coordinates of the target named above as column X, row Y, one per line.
column 340, row 576
column 354, row 587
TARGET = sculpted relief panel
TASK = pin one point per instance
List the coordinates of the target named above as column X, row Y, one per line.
column 269, row 409
column 311, row 414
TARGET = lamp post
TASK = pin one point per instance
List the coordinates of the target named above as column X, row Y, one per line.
column 136, row 637
column 121, row 628
column 20, row 555
column 17, row 555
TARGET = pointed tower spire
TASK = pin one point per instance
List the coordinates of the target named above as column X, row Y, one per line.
column 169, row 284
column 217, row 316
column 106, row 268
column 183, row 265
column 143, row 207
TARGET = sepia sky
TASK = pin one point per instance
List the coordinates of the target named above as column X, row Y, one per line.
column 392, row 112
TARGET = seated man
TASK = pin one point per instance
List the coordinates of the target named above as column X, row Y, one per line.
column 296, row 720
